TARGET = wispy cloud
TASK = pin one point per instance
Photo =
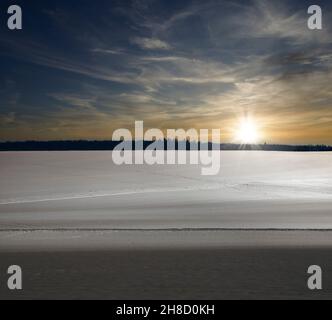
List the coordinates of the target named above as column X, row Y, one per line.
column 151, row 44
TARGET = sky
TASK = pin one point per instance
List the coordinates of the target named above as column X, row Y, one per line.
column 82, row 69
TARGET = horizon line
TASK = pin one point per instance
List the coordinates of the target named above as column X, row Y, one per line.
column 165, row 140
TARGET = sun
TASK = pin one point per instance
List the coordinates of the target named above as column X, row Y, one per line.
column 247, row 132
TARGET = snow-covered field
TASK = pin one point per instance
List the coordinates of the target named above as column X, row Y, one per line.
column 47, row 190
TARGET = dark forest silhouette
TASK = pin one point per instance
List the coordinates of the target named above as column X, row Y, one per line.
column 85, row 145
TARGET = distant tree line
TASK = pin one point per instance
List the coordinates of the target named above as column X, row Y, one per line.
column 85, row 145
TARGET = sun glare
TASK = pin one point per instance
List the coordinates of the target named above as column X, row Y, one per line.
column 247, row 132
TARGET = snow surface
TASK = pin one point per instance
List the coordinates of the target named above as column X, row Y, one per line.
column 85, row 190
